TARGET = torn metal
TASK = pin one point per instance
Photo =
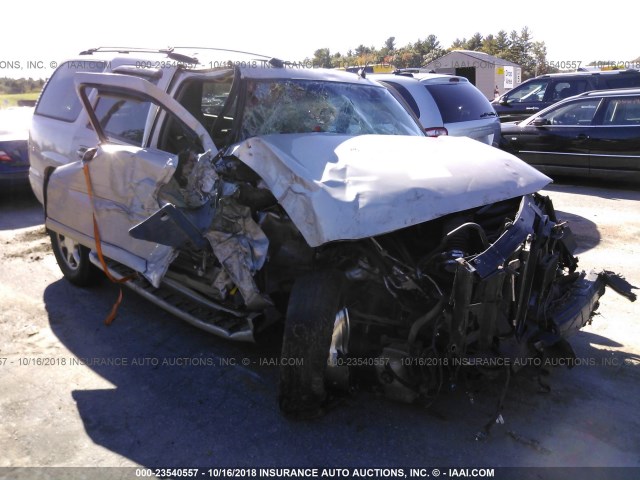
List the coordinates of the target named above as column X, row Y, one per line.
column 340, row 187
column 241, row 247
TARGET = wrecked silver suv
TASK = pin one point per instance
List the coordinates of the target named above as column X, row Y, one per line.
column 239, row 197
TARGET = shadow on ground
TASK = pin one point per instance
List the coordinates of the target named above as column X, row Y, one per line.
column 186, row 398
column 586, row 232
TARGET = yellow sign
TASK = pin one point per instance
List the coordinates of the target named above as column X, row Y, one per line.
column 500, row 70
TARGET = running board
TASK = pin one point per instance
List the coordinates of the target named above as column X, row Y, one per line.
column 187, row 305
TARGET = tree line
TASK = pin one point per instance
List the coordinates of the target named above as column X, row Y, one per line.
column 20, row 85
column 516, row 47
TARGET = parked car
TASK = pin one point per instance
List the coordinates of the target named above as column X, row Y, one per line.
column 538, row 93
column 445, row 104
column 14, row 159
column 239, row 196
column 595, row 134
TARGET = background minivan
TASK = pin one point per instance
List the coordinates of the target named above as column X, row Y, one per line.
column 538, row 93
column 446, row 104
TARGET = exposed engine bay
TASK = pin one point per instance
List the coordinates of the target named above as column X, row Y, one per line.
column 482, row 289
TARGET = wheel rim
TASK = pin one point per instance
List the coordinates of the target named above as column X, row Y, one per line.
column 337, row 374
column 340, row 336
column 69, row 250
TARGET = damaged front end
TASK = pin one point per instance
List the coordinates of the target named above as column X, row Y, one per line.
column 420, row 307
column 475, row 291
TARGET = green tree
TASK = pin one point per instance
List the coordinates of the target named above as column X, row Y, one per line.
column 458, row 44
column 389, row 45
column 539, row 54
column 405, row 57
column 503, row 44
column 362, row 50
column 523, row 54
column 422, row 52
column 474, row 43
column 490, row 45
column 322, row 58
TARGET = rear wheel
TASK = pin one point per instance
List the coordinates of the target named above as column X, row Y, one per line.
column 316, row 326
column 73, row 260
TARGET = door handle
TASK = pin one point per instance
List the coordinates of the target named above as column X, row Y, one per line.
column 532, row 108
column 582, row 137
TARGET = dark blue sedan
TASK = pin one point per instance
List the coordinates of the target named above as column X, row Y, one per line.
column 14, row 136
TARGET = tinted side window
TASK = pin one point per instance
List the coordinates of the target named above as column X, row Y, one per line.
column 406, row 96
column 460, row 102
column 623, row 111
column 59, row 99
column 574, row 113
column 562, row 89
column 532, row 91
column 122, row 118
column 622, row 81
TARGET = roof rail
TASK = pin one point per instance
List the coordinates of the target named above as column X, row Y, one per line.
column 170, row 52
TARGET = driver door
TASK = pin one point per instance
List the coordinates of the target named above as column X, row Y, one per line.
column 560, row 143
column 126, row 173
column 523, row 101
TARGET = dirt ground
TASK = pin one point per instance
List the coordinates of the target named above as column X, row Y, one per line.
column 217, row 406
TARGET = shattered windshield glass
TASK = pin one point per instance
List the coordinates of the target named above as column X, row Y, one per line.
column 303, row 106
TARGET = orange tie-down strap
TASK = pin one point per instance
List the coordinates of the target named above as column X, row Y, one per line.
column 96, row 233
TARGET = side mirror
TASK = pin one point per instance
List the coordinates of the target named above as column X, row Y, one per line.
column 540, row 122
column 87, row 154
column 505, row 101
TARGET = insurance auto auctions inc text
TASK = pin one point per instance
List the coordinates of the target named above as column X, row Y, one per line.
column 374, row 472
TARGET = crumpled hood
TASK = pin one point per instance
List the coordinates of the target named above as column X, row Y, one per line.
column 341, row 187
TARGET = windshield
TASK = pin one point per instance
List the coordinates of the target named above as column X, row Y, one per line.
column 304, row 106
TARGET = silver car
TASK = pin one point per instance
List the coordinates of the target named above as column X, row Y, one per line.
column 242, row 196
column 446, row 105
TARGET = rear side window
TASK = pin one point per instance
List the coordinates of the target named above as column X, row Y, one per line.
column 622, row 80
column 406, row 96
column 59, row 99
column 623, row 111
column 460, row 102
column 567, row 88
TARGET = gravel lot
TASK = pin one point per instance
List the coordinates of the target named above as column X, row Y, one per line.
column 181, row 398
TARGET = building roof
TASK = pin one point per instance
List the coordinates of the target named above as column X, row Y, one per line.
column 474, row 56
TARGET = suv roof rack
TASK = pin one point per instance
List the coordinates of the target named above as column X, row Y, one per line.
column 170, row 52
column 590, row 72
column 611, row 91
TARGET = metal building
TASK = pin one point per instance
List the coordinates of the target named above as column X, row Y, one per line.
column 491, row 75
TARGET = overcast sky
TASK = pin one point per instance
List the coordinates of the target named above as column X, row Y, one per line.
column 49, row 32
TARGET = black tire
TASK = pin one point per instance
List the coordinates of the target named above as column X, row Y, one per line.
column 314, row 302
column 73, row 260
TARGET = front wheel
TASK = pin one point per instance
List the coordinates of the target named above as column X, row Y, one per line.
column 73, row 260
column 316, row 325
